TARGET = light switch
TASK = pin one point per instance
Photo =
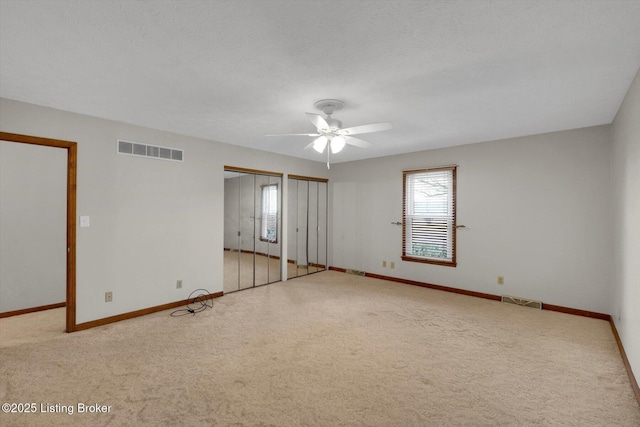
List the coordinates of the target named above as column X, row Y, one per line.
column 84, row 221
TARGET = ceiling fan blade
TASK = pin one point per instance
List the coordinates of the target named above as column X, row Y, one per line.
column 310, row 145
column 318, row 121
column 296, row 134
column 374, row 127
column 357, row 142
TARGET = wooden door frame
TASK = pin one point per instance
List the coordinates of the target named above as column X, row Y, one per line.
column 72, row 154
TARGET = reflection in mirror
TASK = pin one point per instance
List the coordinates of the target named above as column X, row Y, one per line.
column 267, row 243
column 261, row 246
column 252, row 225
column 307, row 229
column 292, row 228
column 312, row 227
column 322, row 225
column 302, row 237
column 272, row 227
column 231, row 231
column 247, row 230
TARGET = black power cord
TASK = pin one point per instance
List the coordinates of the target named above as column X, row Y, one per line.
column 195, row 304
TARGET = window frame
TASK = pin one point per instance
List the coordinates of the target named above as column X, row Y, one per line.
column 405, row 220
column 264, row 224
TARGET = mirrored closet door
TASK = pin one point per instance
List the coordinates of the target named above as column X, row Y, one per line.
column 252, row 228
column 307, row 225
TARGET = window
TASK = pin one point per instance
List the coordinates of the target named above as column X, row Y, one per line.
column 269, row 227
column 429, row 216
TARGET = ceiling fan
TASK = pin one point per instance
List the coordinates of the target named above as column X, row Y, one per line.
column 329, row 131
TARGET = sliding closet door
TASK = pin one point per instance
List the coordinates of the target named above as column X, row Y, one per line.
column 252, row 229
column 267, row 229
column 322, row 225
column 256, row 234
column 231, row 231
column 272, row 227
column 292, row 228
column 307, row 247
column 312, row 226
column 302, row 236
column 261, row 256
column 247, row 231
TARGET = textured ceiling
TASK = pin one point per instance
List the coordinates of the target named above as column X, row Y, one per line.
column 443, row 73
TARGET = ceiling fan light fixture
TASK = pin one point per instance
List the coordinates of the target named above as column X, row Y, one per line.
column 320, row 144
column 329, row 131
column 337, row 144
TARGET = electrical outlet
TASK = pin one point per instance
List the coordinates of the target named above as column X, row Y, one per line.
column 108, row 296
column 384, row 263
column 179, row 284
column 392, row 264
column 500, row 280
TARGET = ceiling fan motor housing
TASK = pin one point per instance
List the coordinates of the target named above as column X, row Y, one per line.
column 334, row 124
column 329, row 106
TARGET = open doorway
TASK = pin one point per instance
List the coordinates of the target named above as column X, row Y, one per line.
column 70, row 232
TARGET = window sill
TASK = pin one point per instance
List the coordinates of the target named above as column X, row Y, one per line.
column 429, row 261
column 268, row 241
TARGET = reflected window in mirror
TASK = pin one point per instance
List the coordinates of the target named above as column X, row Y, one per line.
column 269, row 227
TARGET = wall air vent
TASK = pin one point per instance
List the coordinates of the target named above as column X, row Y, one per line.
column 522, row 301
column 145, row 150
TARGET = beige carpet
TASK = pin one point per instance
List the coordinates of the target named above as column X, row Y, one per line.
column 330, row 349
column 33, row 327
column 239, row 271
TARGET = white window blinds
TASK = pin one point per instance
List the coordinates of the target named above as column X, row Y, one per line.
column 269, row 229
column 430, row 216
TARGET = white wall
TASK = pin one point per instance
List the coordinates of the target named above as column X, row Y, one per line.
column 626, row 208
column 537, row 211
column 152, row 221
column 33, row 225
